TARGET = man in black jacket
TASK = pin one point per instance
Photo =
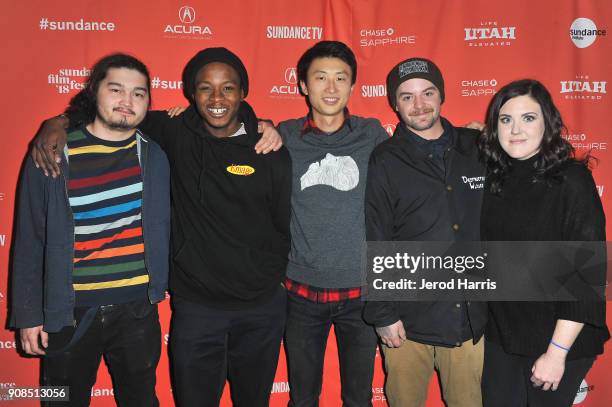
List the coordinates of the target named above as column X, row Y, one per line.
column 416, row 191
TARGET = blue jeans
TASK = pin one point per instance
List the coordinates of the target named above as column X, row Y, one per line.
column 306, row 333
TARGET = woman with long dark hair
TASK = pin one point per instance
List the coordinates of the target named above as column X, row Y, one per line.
column 537, row 353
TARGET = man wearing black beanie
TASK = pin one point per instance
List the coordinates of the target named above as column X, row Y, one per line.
column 230, row 239
column 416, row 192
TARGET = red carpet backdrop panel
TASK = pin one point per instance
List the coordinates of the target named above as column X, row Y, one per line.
column 479, row 45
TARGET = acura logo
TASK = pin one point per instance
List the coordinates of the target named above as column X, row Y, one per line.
column 187, row 14
column 390, row 128
column 291, row 76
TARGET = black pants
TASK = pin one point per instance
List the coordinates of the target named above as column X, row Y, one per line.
column 129, row 338
column 308, row 325
column 506, row 381
column 208, row 346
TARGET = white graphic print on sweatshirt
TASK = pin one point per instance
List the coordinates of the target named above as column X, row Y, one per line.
column 340, row 173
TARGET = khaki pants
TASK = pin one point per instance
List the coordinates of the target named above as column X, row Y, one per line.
column 410, row 366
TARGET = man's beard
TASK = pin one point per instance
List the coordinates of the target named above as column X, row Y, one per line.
column 121, row 125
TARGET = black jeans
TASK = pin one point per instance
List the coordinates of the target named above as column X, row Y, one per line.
column 506, row 381
column 208, row 346
column 308, row 325
column 128, row 336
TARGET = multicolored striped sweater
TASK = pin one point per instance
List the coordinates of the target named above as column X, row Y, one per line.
column 105, row 193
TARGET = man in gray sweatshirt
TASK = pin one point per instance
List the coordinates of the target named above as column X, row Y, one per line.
column 329, row 149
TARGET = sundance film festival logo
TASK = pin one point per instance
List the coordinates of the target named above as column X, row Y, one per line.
column 68, row 80
column 187, row 27
column 584, row 32
column 490, row 34
column 2, row 196
column 478, row 87
column 384, row 37
column 581, row 88
column 289, row 89
column 581, row 141
column 373, row 91
column 294, row 32
column 389, row 128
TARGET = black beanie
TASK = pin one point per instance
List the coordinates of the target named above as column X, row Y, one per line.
column 206, row 56
column 413, row 68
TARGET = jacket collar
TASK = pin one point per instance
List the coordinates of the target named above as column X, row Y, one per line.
column 463, row 145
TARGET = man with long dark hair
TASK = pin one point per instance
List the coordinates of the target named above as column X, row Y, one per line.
column 90, row 255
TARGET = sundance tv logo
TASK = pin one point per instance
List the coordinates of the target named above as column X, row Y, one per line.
column 289, row 89
column 294, row 32
column 187, row 27
column 490, row 34
column 67, row 80
column 584, row 32
column 382, row 37
column 582, row 88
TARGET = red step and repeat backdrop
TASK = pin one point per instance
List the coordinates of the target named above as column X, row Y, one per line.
column 478, row 44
